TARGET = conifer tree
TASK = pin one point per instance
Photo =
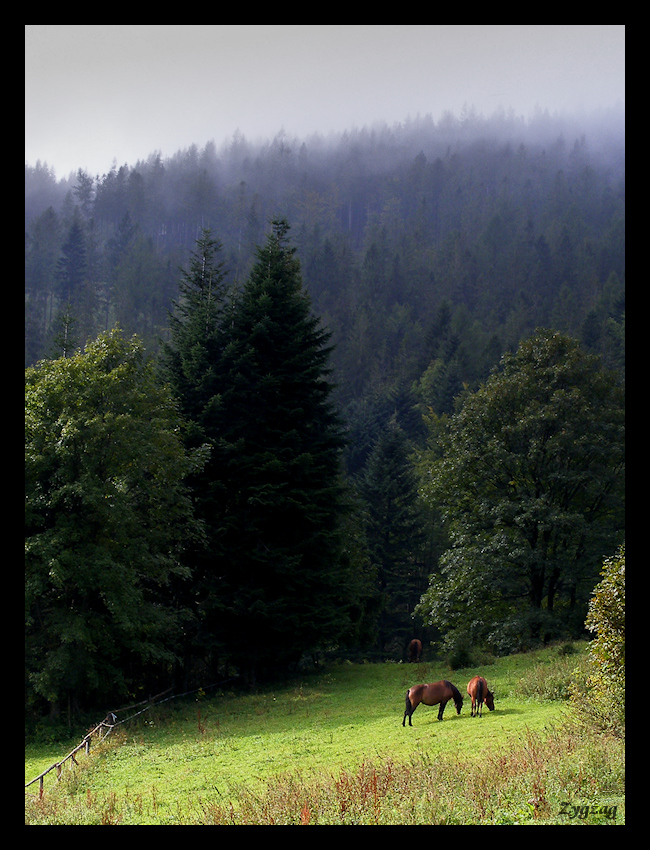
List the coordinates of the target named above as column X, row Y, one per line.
column 191, row 364
column 189, row 361
column 283, row 589
column 394, row 533
column 72, row 265
column 251, row 375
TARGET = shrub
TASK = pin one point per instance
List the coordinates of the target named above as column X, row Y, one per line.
column 552, row 681
column 600, row 695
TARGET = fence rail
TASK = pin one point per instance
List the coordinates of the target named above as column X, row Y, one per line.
column 109, row 723
column 84, row 745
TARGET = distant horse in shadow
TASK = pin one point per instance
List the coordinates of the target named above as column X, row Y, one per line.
column 477, row 688
column 438, row 693
column 415, row 650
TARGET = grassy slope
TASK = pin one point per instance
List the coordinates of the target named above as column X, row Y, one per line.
column 172, row 758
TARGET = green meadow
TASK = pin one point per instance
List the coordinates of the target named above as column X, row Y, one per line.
column 330, row 748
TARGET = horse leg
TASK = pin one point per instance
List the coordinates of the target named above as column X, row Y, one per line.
column 441, row 709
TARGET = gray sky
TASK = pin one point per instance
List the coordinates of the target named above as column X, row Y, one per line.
column 98, row 93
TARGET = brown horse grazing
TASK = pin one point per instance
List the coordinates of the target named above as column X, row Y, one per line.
column 415, row 650
column 477, row 688
column 438, row 692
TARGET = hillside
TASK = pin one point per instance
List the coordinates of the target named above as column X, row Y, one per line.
column 330, row 748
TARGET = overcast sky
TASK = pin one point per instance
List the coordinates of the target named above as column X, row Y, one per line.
column 94, row 94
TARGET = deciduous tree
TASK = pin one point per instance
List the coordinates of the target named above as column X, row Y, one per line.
column 530, row 484
column 107, row 517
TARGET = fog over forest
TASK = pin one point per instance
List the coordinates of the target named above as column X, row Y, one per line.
column 383, row 143
column 422, row 242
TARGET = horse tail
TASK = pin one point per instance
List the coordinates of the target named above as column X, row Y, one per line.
column 409, row 704
column 479, row 691
column 409, row 709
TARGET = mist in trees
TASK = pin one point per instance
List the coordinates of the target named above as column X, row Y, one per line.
column 513, row 225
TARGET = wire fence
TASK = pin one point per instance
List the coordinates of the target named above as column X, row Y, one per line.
column 110, row 722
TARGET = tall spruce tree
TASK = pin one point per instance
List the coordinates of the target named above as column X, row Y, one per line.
column 190, row 360
column 191, row 364
column 72, row 265
column 283, row 586
column 394, row 533
column 253, row 381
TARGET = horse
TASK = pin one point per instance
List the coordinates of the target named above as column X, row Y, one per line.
column 477, row 688
column 438, row 692
column 415, row 650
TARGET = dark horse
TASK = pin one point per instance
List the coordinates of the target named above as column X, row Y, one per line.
column 415, row 650
column 438, row 692
column 478, row 690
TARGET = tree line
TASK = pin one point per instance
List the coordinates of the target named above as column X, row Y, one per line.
column 277, row 457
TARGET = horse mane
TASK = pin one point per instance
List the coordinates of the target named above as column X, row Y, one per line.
column 458, row 697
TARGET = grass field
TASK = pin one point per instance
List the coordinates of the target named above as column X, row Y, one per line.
column 331, row 749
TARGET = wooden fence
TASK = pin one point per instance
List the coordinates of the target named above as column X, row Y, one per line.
column 84, row 745
column 109, row 723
